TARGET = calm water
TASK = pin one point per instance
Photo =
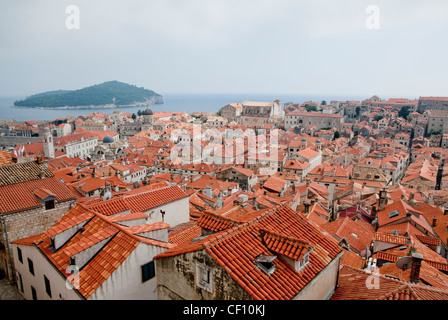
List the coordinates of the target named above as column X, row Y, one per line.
column 172, row 103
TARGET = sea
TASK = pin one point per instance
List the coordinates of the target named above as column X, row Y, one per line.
column 172, row 103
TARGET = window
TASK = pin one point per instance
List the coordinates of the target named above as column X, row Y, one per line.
column 19, row 255
column 49, row 204
column 204, row 277
column 33, row 293
column 31, row 266
column 265, row 263
column 47, row 286
column 20, row 283
column 394, row 214
column 148, row 271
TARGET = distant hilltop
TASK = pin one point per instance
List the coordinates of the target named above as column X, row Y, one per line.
column 109, row 94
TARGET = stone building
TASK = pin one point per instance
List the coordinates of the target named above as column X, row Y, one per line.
column 432, row 103
column 232, row 111
column 31, row 200
column 91, row 255
column 244, row 177
column 370, row 171
column 78, row 144
column 128, row 129
column 267, row 255
column 257, row 112
column 318, row 119
column 438, row 121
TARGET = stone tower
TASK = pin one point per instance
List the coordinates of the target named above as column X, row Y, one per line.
column 48, row 144
column 303, row 144
column 318, row 145
column 148, row 117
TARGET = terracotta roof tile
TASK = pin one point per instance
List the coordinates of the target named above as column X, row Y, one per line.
column 120, row 243
column 22, row 172
column 147, row 200
column 21, row 196
column 236, row 248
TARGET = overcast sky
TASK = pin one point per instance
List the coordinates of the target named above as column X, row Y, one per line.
column 227, row 46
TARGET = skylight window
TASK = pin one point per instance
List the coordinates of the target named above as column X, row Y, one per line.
column 394, row 213
column 265, row 263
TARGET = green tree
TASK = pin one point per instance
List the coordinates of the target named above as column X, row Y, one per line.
column 310, row 108
column 134, row 116
column 337, row 135
column 404, row 112
column 358, row 111
column 324, row 103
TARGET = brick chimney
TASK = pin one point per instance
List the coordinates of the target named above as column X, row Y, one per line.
column 415, row 268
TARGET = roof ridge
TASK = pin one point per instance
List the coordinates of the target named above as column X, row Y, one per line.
column 104, row 218
column 221, row 235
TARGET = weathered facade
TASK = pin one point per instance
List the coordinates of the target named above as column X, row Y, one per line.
column 275, row 254
column 307, row 119
column 31, row 202
column 257, row 112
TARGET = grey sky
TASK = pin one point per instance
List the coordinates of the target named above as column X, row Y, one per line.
column 227, row 46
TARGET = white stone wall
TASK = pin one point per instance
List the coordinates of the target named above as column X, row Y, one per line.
column 126, row 281
column 42, row 267
column 176, row 212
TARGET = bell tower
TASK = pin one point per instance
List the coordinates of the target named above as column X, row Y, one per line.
column 48, row 144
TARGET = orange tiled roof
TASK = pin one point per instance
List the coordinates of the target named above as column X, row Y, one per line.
column 236, row 248
column 390, row 238
column 184, row 233
column 96, row 228
column 215, row 222
column 352, row 286
column 22, row 172
column 21, row 196
column 147, row 200
column 111, row 206
column 290, row 247
column 5, row 158
column 358, row 233
column 274, row 183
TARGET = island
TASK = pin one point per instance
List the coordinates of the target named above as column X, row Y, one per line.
column 111, row 94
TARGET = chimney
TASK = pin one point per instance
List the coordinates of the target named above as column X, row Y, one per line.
column 382, row 200
column 307, row 206
column 415, row 268
column 434, row 221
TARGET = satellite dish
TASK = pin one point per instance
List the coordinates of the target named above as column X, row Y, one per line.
column 107, row 195
column 404, row 263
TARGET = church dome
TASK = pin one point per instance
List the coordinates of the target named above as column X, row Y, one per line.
column 108, row 139
column 147, row 112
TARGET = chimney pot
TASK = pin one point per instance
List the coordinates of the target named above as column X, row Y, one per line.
column 415, row 268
